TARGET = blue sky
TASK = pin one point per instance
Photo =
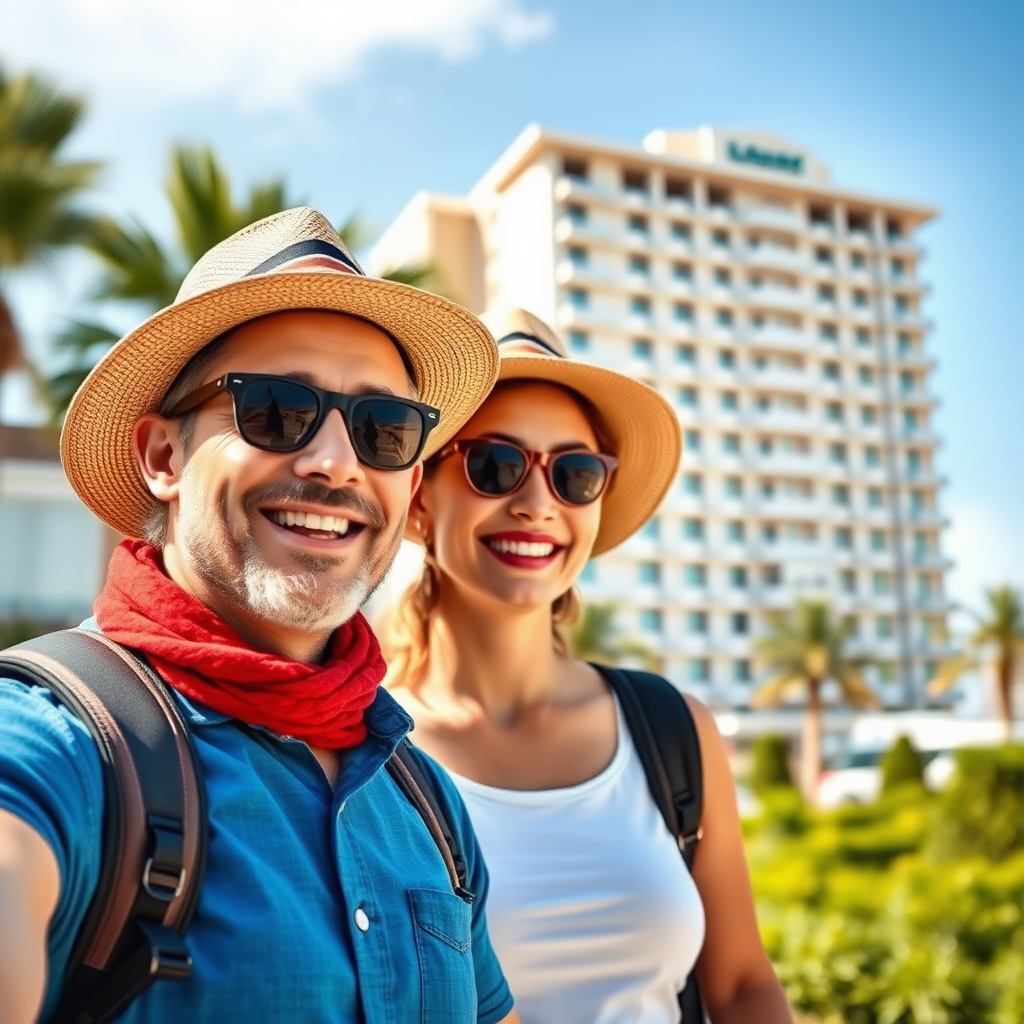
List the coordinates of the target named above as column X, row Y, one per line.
column 361, row 106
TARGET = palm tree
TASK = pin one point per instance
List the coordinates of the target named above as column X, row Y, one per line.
column 38, row 188
column 596, row 638
column 998, row 639
column 139, row 270
column 803, row 649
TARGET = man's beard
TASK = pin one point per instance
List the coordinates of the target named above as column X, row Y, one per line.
column 229, row 559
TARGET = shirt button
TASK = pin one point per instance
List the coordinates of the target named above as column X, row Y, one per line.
column 362, row 921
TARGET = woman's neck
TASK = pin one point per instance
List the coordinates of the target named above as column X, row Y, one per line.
column 503, row 660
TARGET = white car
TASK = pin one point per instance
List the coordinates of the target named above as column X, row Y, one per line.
column 856, row 777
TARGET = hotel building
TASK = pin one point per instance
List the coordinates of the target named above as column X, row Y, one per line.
column 782, row 316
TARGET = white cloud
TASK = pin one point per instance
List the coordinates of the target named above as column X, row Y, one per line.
column 260, row 54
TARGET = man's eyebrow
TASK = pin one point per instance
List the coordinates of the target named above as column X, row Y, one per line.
column 364, row 388
column 569, row 446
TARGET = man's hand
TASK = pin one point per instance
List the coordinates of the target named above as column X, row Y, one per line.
column 29, row 887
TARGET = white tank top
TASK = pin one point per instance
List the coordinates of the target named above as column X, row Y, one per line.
column 591, row 910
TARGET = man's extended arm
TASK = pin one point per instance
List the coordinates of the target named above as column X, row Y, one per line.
column 29, row 887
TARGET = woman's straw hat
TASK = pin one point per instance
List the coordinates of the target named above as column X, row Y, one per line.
column 293, row 260
column 643, row 426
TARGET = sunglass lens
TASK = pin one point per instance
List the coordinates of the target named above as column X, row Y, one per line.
column 386, row 434
column 276, row 415
column 494, row 468
column 578, row 477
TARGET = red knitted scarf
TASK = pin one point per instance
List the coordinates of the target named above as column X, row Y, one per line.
column 203, row 658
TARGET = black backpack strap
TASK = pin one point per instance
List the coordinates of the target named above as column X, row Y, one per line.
column 406, row 768
column 665, row 736
column 154, row 838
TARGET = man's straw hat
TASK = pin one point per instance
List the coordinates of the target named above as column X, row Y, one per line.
column 293, row 260
column 642, row 425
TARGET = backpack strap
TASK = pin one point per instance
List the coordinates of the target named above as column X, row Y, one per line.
column 665, row 736
column 155, row 820
column 406, row 768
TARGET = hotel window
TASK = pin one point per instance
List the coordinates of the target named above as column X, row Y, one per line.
column 741, row 671
column 768, row 489
column 699, row 670
column 691, row 440
column 828, row 332
column 683, row 312
column 876, row 499
column 913, row 463
column 766, row 445
column 830, row 371
column 837, row 453
column 881, row 583
column 634, row 181
column 579, row 298
column 823, row 255
column 722, row 277
column 648, row 573
column 862, row 336
column 893, row 230
column 858, row 222
column 723, row 317
column 650, row 620
column 639, row 264
column 688, row 397
column 727, row 359
column 918, row 504
column 843, row 538
column 680, row 231
column 733, row 487
column 840, row 494
column 904, row 343
column 883, row 627
column 833, row 412
column 682, row 271
column 740, row 623
column 719, row 197
column 678, row 188
column 579, row 341
column 764, row 403
column 826, row 293
column 642, row 348
column 738, row 577
column 900, row 305
column 731, row 444
column 693, row 529
column 866, row 376
column 720, row 239
column 695, row 575
column 578, row 256
column 860, row 299
column 686, row 354
column 877, row 540
column 857, row 261
column 577, row 214
column 730, row 401
column 640, row 305
column 907, row 383
column 575, row 168
column 697, row 622
column 692, row 483
column 896, row 268
column 872, row 457
column 821, row 216
column 771, row 576
column 637, row 222
column 735, row 532
column 651, row 530
column 869, row 416
column 848, row 581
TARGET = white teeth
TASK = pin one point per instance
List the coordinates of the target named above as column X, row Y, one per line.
column 289, row 518
column 522, row 548
column 311, row 521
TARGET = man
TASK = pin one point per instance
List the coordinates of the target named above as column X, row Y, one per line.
column 264, row 435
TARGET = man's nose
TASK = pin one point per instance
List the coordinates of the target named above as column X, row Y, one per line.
column 330, row 457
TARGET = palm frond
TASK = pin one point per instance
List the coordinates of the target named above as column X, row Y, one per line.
column 200, row 195
column 418, row 275
column 137, row 268
column 950, row 672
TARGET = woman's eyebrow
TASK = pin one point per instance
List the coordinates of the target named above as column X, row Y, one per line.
column 569, row 446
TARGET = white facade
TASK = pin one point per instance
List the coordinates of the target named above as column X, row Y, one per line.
column 782, row 317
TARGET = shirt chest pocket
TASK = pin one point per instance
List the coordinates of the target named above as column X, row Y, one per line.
column 444, row 947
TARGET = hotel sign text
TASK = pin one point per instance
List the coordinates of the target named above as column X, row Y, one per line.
column 765, row 158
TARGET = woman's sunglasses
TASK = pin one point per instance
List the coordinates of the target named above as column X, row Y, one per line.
column 499, row 468
column 279, row 414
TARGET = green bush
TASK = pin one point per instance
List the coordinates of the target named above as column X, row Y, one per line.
column 981, row 811
column 770, row 767
column 902, row 764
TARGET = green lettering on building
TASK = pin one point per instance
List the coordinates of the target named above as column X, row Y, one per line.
column 764, row 158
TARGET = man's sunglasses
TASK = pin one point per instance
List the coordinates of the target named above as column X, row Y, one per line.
column 499, row 468
column 279, row 414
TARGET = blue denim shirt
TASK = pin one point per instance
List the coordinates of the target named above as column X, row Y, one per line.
column 276, row 936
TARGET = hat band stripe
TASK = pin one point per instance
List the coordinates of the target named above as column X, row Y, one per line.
column 532, row 339
column 310, row 247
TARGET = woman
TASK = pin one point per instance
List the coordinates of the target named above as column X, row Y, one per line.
column 591, row 909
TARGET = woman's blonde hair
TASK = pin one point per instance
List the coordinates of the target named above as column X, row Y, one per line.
column 405, row 631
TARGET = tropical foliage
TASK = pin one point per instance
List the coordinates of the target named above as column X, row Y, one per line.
column 998, row 642
column 138, row 269
column 802, row 651
column 39, row 187
column 596, row 637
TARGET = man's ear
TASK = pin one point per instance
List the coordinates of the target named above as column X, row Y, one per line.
column 157, row 444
